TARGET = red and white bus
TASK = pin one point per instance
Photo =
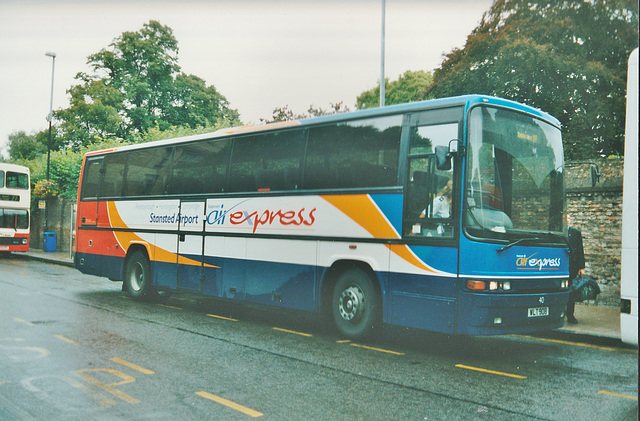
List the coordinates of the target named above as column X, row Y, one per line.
column 15, row 203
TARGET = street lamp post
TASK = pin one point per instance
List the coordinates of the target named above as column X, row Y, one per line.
column 382, row 36
column 53, row 69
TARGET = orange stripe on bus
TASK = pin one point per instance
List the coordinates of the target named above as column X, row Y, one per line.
column 362, row 210
column 158, row 254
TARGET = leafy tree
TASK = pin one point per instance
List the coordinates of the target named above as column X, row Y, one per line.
column 286, row 114
column 568, row 58
column 410, row 87
column 24, row 147
column 136, row 85
column 93, row 113
column 195, row 104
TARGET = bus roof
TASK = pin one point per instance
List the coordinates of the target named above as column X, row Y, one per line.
column 464, row 100
column 14, row 167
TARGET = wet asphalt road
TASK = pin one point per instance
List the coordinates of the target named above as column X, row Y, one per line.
column 73, row 346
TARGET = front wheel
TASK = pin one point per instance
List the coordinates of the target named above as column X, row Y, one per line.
column 355, row 304
column 137, row 278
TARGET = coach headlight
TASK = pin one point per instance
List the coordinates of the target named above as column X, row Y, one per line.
column 499, row 286
column 24, row 241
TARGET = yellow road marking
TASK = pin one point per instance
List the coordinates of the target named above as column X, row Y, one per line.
column 22, row 321
column 484, row 370
column 558, row 341
column 308, row 335
column 229, row 404
column 133, row 366
column 108, row 387
column 64, row 338
column 222, row 317
column 344, row 341
column 604, row 392
column 386, row 351
column 167, row 306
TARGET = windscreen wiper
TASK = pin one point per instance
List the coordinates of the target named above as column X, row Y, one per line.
column 508, row 246
column 555, row 235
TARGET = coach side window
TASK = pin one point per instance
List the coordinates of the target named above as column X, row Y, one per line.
column 355, row 154
column 113, row 177
column 147, row 172
column 91, row 178
column 267, row 162
column 200, row 167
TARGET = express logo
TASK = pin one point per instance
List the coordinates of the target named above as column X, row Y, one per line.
column 256, row 219
column 530, row 262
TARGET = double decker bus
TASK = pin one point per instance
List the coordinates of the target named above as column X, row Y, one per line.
column 445, row 215
column 15, row 204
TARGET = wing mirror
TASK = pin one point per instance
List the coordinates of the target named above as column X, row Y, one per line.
column 444, row 154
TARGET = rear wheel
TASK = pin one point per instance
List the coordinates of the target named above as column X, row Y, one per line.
column 137, row 278
column 355, row 304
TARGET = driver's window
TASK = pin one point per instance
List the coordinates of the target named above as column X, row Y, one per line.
column 424, row 139
column 429, row 197
column 429, row 211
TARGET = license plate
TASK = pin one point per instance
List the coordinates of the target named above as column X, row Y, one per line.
column 538, row 311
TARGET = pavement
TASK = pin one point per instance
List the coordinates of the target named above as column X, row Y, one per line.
column 595, row 322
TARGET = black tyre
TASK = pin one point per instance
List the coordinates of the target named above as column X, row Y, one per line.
column 355, row 304
column 137, row 277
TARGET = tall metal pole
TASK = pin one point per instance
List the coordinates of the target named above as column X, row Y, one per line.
column 53, row 69
column 382, row 81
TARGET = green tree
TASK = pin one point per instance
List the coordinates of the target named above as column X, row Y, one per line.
column 565, row 57
column 93, row 113
column 195, row 104
column 24, row 147
column 136, row 85
column 286, row 114
column 410, row 87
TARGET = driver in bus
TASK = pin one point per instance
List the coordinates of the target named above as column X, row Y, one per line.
column 441, row 203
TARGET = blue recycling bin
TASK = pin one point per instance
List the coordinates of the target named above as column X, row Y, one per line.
column 50, row 240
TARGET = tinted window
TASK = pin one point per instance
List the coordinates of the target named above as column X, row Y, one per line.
column 14, row 218
column 429, row 199
column 91, row 178
column 200, row 168
column 148, row 172
column 355, row 154
column 113, row 175
column 16, row 180
column 267, row 162
column 1, row 178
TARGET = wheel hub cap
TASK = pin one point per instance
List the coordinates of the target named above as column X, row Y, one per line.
column 351, row 303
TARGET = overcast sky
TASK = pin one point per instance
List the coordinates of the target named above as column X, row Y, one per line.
column 258, row 54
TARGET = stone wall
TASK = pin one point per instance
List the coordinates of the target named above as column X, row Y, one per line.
column 597, row 213
column 60, row 220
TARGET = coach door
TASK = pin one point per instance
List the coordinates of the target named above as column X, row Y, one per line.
column 191, row 220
